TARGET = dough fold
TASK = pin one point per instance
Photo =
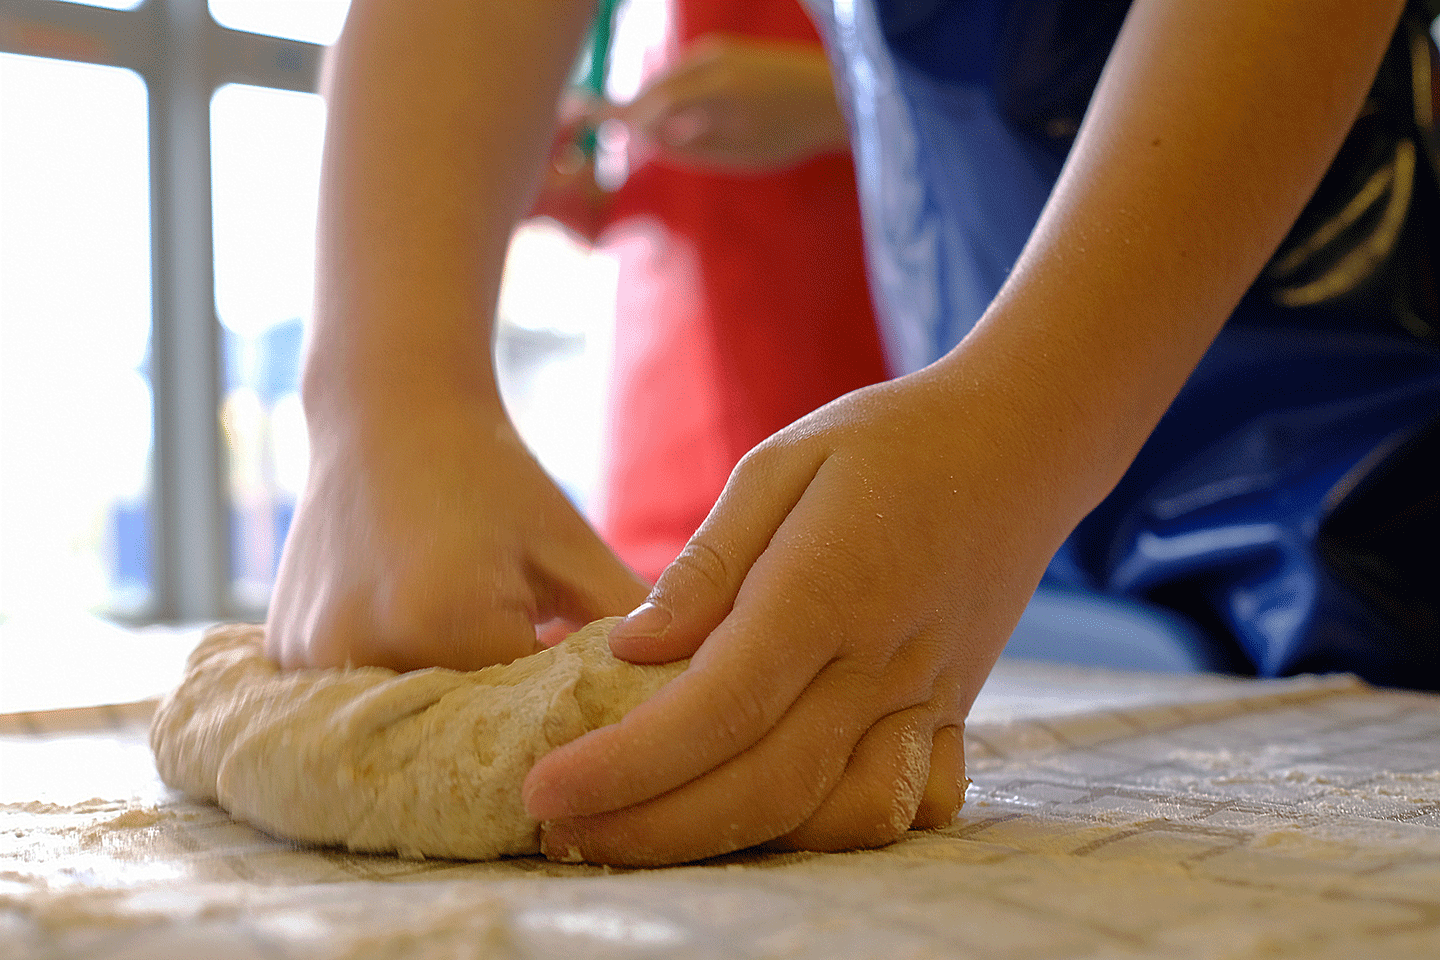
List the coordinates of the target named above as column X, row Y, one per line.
column 421, row 764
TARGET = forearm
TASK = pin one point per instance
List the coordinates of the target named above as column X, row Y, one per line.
column 440, row 117
column 1211, row 127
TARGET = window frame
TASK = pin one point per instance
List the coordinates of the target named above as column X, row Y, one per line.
column 183, row 56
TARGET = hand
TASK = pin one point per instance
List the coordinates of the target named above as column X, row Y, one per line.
column 737, row 104
column 569, row 193
column 844, row 602
column 431, row 537
column 857, row 578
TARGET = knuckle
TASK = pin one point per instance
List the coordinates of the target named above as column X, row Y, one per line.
column 743, row 714
column 704, row 565
column 766, row 459
column 919, row 675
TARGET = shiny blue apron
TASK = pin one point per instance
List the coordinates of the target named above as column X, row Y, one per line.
column 1285, row 515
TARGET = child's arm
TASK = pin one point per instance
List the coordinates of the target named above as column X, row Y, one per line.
column 426, row 534
column 864, row 567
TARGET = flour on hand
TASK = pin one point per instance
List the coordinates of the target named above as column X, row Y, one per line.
column 422, row 764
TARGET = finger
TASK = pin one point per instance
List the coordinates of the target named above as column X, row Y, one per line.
column 688, row 83
column 760, row 794
column 945, row 788
column 603, row 588
column 642, row 115
column 768, row 789
column 551, row 632
column 579, row 106
column 385, row 632
column 408, row 634
column 697, row 722
column 696, row 592
column 685, row 126
column 786, row 626
column 908, row 770
column 282, row 632
column 570, row 165
column 882, row 787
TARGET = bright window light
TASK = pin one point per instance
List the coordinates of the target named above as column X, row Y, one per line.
column 108, row 4
column 75, row 401
column 265, row 161
column 316, row 21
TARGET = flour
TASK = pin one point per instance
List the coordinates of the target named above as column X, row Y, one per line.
column 135, row 818
column 422, row 764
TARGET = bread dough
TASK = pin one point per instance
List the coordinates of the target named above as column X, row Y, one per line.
column 422, row 764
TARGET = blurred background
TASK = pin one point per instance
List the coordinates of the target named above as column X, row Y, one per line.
column 159, row 166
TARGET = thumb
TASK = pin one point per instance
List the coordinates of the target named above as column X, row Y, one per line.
column 697, row 591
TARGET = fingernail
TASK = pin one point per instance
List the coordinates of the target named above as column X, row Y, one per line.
column 540, row 801
column 558, row 843
column 648, row 621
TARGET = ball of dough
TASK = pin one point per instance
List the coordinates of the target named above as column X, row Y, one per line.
column 422, row 764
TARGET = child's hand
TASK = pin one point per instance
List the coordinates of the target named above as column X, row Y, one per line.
column 740, row 104
column 844, row 602
column 434, row 540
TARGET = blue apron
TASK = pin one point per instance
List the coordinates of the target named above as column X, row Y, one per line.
column 1286, row 509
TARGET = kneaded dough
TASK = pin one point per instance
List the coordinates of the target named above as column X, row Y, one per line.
column 422, row 764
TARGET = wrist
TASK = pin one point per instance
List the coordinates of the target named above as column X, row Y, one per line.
column 349, row 389
column 1060, row 436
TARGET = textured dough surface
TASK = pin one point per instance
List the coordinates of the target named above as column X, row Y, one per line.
column 422, row 764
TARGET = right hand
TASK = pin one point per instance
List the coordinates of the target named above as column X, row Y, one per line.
column 728, row 103
column 431, row 537
column 741, row 105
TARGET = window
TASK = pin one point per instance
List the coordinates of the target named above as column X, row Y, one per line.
column 75, row 401
column 159, row 165
column 265, row 176
column 315, row 21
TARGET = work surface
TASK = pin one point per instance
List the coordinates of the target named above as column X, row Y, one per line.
column 1112, row 815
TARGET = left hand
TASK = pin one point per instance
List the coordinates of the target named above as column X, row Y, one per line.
column 852, row 588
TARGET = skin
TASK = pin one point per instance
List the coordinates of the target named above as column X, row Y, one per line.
column 858, row 577
column 739, row 104
column 427, row 535
column 727, row 103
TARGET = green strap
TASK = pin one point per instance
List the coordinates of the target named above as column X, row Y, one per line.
column 594, row 80
column 600, row 38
